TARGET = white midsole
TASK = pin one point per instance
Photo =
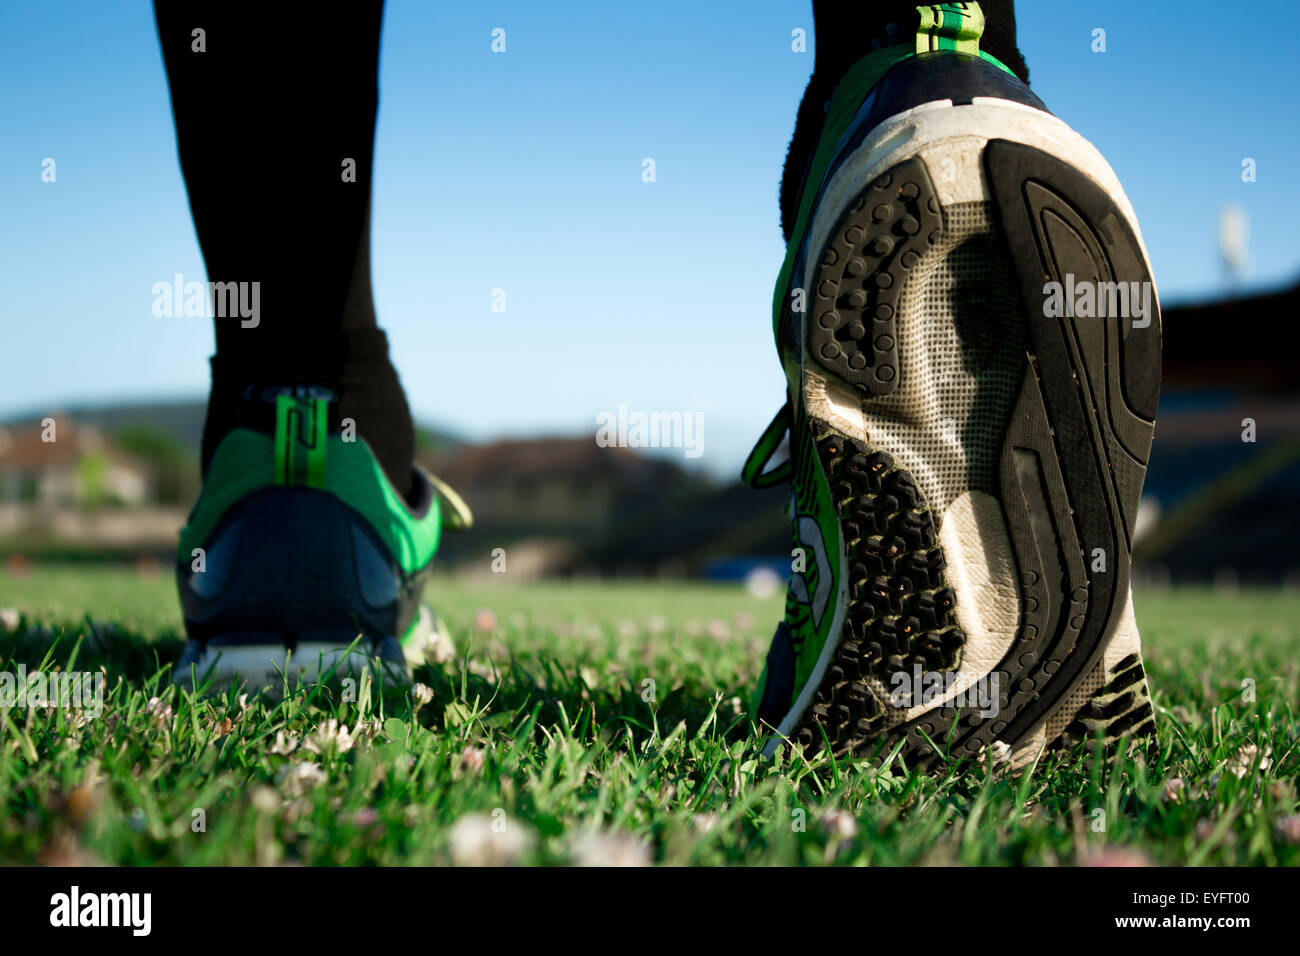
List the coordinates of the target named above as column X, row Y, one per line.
column 270, row 664
column 950, row 140
column 427, row 643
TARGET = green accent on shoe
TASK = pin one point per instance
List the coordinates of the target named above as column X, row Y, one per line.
column 246, row 461
column 410, row 631
column 300, row 430
column 809, row 629
column 356, row 478
column 849, row 96
column 950, row 26
column 768, row 443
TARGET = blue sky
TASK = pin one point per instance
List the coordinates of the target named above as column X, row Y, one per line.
column 522, row 171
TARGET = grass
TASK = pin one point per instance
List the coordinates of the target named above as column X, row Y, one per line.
column 544, row 743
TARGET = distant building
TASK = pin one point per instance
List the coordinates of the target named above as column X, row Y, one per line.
column 78, row 468
column 1225, row 464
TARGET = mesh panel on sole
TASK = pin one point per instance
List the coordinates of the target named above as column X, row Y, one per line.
column 961, row 346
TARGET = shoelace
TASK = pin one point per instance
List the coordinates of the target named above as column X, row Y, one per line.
column 754, row 473
column 459, row 517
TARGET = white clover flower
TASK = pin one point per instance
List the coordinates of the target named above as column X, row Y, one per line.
column 704, row 822
column 1243, row 761
column 331, row 737
column 601, row 848
column 301, row 778
column 264, row 799
column 285, row 744
column 999, row 751
column 161, row 713
column 479, row 839
column 471, row 759
column 484, row 670
column 839, row 824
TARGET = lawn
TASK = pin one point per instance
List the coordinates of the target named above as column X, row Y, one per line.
column 603, row 723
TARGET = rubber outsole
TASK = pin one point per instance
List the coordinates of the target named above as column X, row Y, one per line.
column 1120, row 709
column 884, row 236
column 1068, row 477
column 259, row 664
column 270, row 667
column 900, row 607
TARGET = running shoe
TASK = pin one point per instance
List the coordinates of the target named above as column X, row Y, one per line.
column 300, row 560
column 970, row 335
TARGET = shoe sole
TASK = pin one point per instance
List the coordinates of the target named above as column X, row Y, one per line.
column 235, row 659
column 1018, row 586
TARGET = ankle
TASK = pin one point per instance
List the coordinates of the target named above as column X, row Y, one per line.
column 844, row 35
column 365, row 399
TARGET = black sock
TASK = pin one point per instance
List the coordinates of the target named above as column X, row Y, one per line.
column 845, row 33
column 275, row 122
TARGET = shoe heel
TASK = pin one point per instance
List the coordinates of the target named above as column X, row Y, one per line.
column 290, row 569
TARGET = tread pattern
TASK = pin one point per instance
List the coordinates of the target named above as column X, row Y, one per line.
column 1069, row 475
column 1120, row 709
column 863, row 269
column 900, row 607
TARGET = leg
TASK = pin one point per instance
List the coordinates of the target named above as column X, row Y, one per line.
column 266, row 116
column 313, row 527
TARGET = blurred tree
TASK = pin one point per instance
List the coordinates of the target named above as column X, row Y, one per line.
column 175, row 467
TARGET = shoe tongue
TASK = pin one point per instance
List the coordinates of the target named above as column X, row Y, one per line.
column 259, row 403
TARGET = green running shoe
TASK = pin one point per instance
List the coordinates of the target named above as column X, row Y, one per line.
column 971, row 341
column 300, row 560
